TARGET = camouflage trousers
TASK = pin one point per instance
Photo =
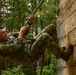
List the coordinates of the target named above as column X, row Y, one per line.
column 44, row 40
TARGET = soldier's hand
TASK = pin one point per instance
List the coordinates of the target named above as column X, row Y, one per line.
column 31, row 18
column 23, row 31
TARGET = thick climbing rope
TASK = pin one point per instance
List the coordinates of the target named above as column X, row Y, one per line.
column 42, row 65
column 27, row 23
column 35, row 10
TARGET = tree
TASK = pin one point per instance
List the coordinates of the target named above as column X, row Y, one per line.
column 18, row 10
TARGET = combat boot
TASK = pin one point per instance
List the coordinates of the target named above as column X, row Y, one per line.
column 66, row 54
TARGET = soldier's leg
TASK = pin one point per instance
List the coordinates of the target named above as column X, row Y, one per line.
column 50, row 29
column 42, row 42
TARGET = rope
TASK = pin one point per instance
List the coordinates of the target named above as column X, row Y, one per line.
column 42, row 63
column 35, row 10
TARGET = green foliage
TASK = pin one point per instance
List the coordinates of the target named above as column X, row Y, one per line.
column 47, row 70
column 18, row 11
column 15, row 19
column 50, row 9
column 49, row 64
column 13, row 71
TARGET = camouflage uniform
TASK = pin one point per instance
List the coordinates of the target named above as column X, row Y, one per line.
column 22, row 51
column 47, row 38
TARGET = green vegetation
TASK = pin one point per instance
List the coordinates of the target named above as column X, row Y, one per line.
column 13, row 16
column 13, row 71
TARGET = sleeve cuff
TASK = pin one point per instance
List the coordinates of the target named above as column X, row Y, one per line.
column 19, row 41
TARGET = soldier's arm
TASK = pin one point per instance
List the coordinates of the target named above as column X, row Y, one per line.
column 7, row 48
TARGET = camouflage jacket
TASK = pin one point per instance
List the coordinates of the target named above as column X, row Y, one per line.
column 16, row 49
column 19, row 49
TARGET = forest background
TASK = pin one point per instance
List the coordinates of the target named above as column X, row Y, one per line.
column 13, row 15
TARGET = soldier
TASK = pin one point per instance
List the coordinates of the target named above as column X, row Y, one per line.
column 28, row 51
